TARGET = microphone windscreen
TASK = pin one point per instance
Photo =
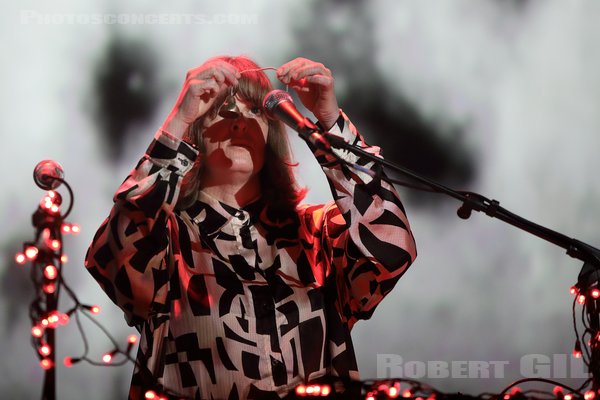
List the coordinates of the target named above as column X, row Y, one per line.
column 273, row 99
column 47, row 174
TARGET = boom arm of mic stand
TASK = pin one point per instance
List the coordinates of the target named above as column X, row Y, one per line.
column 473, row 201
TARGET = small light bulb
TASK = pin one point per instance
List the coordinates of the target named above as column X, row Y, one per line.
column 31, row 252
column 49, row 288
column 50, row 272
column 95, row 310
column 107, row 358
column 37, row 331
column 132, row 339
column 45, row 350
column 150, row 394
column 20, row 258
column 46, row 364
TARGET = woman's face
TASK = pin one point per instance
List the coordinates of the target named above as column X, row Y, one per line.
column 235, row 147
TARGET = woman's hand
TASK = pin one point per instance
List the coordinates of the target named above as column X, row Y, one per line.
column 200, row 89
column 313, row 83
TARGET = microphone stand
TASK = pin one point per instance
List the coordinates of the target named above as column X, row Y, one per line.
column 588, row 278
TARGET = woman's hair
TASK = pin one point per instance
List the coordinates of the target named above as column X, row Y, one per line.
column 280, row 191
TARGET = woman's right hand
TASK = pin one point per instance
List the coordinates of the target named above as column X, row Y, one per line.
column 200, row 89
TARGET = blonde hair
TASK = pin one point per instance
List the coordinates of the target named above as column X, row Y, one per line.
column 280, row 190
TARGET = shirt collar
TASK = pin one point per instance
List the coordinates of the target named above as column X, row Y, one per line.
column 212, row 214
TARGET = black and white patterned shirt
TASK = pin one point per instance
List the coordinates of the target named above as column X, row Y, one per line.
column 231, row 305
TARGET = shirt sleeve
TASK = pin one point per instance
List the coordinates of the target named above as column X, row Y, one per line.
column 128, row 255
column 365, row 234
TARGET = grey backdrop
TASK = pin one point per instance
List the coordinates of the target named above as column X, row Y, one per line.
column 503, row 98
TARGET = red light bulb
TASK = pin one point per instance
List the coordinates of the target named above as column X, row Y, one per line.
column 31, row 252
column 581, row 299
column 107, row 358
column 75, row 229
column 95, row 310
column 46, row 364
column 45, row 350
column 37, row 331
column 50, row 272
column 150, row 394
column 55, row 244
column 132, row 339
column 49, row 288
column 20, row 258
column 595, row 293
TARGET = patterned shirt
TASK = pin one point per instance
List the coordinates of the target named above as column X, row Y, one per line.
column 233, row 305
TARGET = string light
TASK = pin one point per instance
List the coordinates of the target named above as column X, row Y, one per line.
column 595, row 293
column 132, row 339
column 64, row 259
column 107, row 357
column 37, row 331
column 20, row 258
column 50, row 272
column 49, row 288
column 589, row 395
column 95, row 310
column 574, row 290
column 577, row 350
column 46, row 363
column 581, row 299
column 150, row 395
column 45, row 350
column 31, row 252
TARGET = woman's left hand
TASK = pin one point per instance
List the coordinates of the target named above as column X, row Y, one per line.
column 313, row 83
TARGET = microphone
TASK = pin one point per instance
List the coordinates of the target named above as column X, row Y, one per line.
column 48, row 174
column 279, row 105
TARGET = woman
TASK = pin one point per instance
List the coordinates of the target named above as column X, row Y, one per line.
column 239, row 291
